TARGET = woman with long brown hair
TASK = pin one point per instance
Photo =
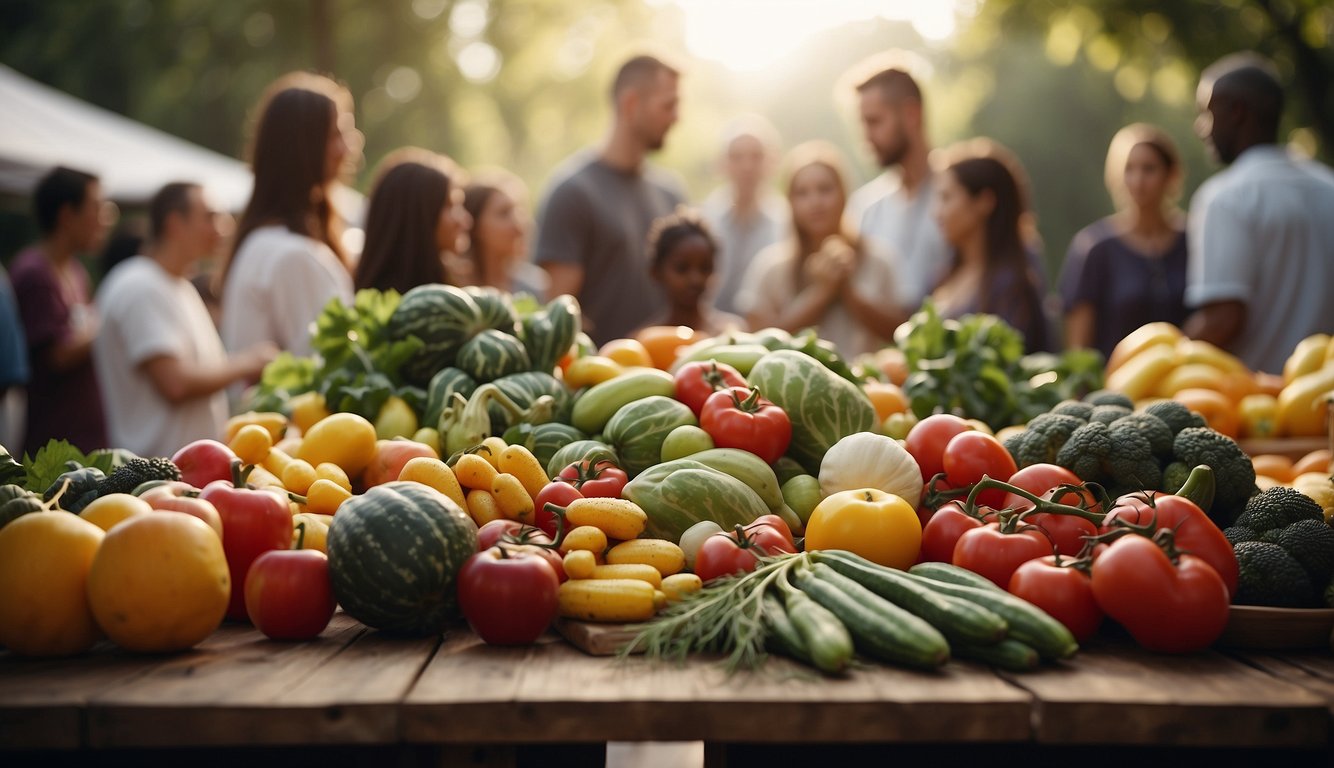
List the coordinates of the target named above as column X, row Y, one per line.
column 824, row 275
column 982, row 212
column 497, row 243
column 415, row 217
column 288, row 261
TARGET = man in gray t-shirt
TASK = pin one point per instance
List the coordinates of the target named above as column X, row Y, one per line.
column 593, row 225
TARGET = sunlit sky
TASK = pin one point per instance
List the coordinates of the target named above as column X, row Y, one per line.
column 750, row 35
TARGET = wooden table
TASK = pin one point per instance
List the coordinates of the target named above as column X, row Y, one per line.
column 352, row 686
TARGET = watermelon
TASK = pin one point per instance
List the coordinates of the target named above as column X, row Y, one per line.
column 580, row 450
column 491, row 354
column 440, row 393
column 822, row 406
column 394, row 557
column 443, row 317
column 550, row 332
column 638, row 429
column 677, row 494
column 495, row 309
column 524, row 389
column 543, row 440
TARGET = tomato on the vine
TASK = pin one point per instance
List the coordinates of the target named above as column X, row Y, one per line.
column 1039, row 479
column 737, row 417
column 516, row 535
column 927, row 439
column 559, row 493
column 736, row 551
column 1193, row 531
column 602, row 479
column 988, row 551
column 942, row 532
column 1063, row 591
column 970, row 455
column 695, row 381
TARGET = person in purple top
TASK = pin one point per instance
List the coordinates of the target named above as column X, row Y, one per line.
column 55, row 306
column 1129, row 268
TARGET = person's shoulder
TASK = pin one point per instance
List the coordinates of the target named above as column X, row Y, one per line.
column 665, row 179
column 873, row 191
column 1094, row 237
column 573, row 170
column 135, row 275
column 30, row 268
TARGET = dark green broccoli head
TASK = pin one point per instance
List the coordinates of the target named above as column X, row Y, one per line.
column 1155, row 430
column 1311, row 543
column 1132, row 465
column 1175, row 415
column 1079, row 410
column 136, row 471
column 1108, row 397
column 1271, row 576
column 1043, row 438
column 1234, row 476
column 1277, row 508
column 1087, row 451
column 1108, row 413
column 1236, row 534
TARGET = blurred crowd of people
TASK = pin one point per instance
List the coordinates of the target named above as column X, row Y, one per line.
column 145, row 362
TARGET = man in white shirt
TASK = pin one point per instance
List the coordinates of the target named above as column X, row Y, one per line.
column 159, row 360
column 1261, row 231
column 744, row 214
column 895, row 207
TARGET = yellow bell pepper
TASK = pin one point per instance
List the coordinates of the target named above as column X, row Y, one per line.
column 879, row 526
column 1306, row 357
column 1303, row 404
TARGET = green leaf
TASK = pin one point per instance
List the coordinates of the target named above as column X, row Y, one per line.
column 10, row 470
column 49, row 464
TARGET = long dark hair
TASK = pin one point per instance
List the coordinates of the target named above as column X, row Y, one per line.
column 412, row 188
column 296, row 115
column 990, row 168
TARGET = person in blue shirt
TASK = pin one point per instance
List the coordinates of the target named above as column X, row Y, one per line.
column 13, row 364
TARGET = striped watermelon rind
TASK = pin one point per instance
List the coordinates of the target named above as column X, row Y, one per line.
column 490, row 355
column 550, row 332
column 495, row 309
column 638, row 429
column 394, row 556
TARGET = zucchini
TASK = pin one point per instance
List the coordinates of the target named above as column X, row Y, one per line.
column 1028, row 623
column 824, row 636
column 957, row 619
column 953, row 574
column 878, row 628
column 1009, row 654
column 781, row 634
column 595, row 407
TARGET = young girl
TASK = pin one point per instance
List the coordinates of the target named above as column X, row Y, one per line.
column 682, row 254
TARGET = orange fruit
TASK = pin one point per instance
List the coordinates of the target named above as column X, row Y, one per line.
column 1321, row 461
column 627, row 352
column 106, row 512
column 1267, row 383
column 159, row 583
column 1215, row 407
column 887, row 398
column 892, row 362
column 663, row 341
column 1274, row 465
column 44, row 562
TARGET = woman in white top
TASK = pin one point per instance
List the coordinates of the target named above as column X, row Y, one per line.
column 825, row 275
column 288, row 261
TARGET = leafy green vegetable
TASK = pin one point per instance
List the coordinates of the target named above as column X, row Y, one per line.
column 10, row 470
column 50, row 463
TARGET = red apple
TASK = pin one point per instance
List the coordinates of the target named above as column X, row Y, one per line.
column 178, row 496
column 253, row 522
column 204, row 461
column 390, row 456
column 288, row 595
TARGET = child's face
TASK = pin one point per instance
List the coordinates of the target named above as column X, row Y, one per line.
column 685, row 272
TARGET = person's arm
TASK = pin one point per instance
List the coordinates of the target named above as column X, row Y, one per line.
column 1080, row 320
column 74, row 350
column 802, row 311
column 1218, row 323
column 880, row 314
column 178, row 383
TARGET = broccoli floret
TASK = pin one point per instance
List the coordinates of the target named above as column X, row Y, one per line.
column 1277, row 508
column 1118, row 457
column 1108, row 397
column 1270, row 576
column 1079, row 410
column 1043, row 438
column 1233, row 474
column 1175, row 415
column 1014, row 443
column 1311, row 543
column 137, row 471
column 1108, row 413
column 1155, row 430
column 1236, row 534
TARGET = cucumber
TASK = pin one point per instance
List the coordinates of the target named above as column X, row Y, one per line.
column 781, row 634
column 599, row 403
column 749, row 469
column 879, row 628
column 826, row 637
column 957, row 619
column 1028, row 623
column 1009, row 654
column 742, row 357
column 953, row 574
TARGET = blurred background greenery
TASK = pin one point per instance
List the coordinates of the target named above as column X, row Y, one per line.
column 522, row 83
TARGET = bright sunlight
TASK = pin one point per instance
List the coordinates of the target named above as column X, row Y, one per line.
column 752, row 35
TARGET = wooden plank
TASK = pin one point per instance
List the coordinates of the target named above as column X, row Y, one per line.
column 1311, row 670
column 596, row 639
column 1115, row 693
column 554, row 693
column 227, row 697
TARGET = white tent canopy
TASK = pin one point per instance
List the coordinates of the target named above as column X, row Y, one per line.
column 44, row 127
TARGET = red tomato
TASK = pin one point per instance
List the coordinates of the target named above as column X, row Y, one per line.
column 1194, row 531
column 1038, row 479
column 762, row 532
column 559, row 493
column 253, row 522
column 970, row 455
column 989, row 552
column 1062, row 591
column 737, row 417
column 723, row 553
column 288, row 595
column 942, row 532
column 927, row 439
column 1165, row 607
column 508, row 594
column 697, row 380
column 1066, row 532
column 603, row 479
column 493, row 532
